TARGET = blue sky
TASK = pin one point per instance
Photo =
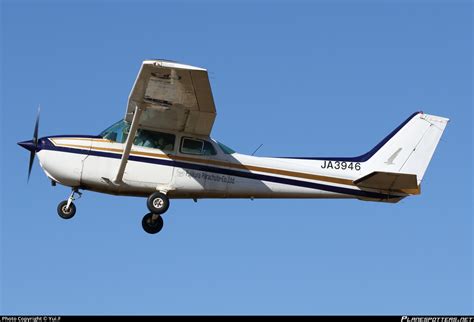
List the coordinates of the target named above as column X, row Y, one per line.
column 303, row 78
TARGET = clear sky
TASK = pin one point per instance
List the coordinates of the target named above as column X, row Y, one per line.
column 303, row 78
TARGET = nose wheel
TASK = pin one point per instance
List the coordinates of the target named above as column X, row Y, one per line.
column 66, row 208
column 65, row 211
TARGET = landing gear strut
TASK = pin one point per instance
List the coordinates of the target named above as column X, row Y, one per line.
column 66, row 208
column 158, row 203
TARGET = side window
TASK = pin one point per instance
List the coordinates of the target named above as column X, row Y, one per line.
column 208, row 149
column 154, row 140
column 196, row 146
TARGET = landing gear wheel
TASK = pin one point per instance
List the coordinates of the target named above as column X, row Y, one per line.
column 64, row 212
column 152, row 223
column 158, row 203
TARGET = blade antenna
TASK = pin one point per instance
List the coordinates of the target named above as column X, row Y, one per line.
column 257, row 149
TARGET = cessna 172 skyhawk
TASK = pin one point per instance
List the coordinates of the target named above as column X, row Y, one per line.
column 162, row 150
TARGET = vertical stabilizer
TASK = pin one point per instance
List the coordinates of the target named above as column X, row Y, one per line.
column 410, row 149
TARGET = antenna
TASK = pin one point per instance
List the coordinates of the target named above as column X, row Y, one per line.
column 257, row 148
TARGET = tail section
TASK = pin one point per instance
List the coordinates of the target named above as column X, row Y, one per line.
column 404, row 153
column 397, row 164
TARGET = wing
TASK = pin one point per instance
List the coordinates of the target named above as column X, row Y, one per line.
column 173, row 96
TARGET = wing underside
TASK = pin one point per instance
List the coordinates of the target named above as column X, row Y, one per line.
column 173, row 97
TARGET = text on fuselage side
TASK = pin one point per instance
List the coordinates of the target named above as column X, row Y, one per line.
column 199, row 175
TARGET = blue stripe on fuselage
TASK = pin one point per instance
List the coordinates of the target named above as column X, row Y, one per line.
column 206, row 168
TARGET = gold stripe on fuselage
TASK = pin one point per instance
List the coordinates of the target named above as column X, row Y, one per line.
column 217, row 163
column 83, row 139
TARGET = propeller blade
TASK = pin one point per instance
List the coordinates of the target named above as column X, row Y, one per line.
column 32, row 147
column 35, row 133
column 32, row 158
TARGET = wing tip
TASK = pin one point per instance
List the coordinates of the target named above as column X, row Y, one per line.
column 171, row 64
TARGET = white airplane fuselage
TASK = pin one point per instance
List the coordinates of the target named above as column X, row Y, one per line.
column 91, row 163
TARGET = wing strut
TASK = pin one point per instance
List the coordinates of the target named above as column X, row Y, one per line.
column 128, row 144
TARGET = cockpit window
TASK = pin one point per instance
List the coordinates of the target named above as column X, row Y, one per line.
column 225, row 148
column 155, row 140
column 117, row 132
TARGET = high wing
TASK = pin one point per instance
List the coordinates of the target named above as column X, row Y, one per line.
column 168, row 96
column 173, row 96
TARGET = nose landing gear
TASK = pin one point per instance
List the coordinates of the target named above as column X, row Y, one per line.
column 66, row 208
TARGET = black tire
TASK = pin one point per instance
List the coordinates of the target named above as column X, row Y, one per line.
column 66, row 214
column 152, row 226
column 158, row 203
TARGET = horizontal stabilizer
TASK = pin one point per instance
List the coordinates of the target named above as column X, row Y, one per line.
column 389, row 181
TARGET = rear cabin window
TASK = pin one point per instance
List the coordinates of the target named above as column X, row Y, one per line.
column 225, row 148
column 197, row 147
column 154, row 140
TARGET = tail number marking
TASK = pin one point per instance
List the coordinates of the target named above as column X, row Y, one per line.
column 341, row 165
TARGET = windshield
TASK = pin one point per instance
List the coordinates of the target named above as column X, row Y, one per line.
column 117, row 132
column 225, row 148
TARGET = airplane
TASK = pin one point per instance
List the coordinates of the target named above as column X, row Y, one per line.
column 162, row 150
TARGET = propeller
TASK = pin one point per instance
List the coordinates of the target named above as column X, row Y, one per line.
column 32, row 145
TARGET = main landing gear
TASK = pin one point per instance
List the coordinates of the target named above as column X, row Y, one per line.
column 158, row 203
column 66, row 208
column 152, row 223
